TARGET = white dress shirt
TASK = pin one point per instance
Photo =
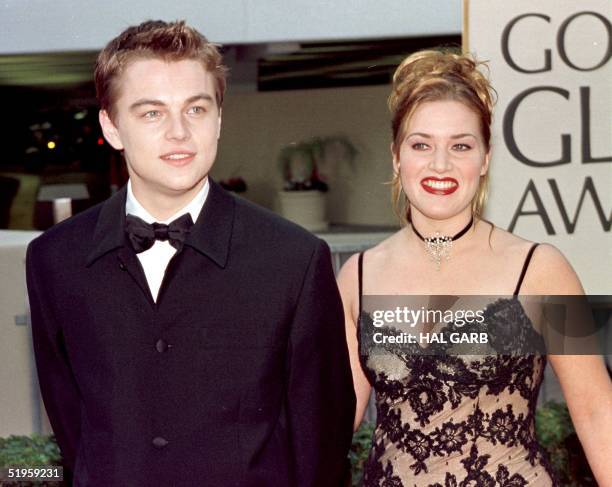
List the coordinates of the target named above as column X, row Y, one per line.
column 155, row 260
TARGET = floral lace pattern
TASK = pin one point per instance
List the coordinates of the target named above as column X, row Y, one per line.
column 455, row 421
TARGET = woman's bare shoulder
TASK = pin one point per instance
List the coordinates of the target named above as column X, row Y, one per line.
column 506, row 243
column 548, row 271
column 387, row 247
column 372, row 257
column 347, row 276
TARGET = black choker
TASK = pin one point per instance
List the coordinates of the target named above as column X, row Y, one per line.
column 439, row 246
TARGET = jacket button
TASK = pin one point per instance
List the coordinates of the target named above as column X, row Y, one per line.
column 122, row 266
column 161, row 346
column 159, row 442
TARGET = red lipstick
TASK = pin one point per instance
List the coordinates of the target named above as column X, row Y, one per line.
column 440, row 186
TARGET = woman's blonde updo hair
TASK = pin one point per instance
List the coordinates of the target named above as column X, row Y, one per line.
column 435, row 76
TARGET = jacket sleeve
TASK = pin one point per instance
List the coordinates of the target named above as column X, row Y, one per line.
column 57, row 384
column 320, row 396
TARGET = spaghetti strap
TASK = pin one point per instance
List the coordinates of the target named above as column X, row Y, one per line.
column 360, row 278
column 524, row 271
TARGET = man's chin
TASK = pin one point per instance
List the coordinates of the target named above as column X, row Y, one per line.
column 178, row 188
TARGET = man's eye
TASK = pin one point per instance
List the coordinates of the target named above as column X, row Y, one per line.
column 197, row 110
column 152, row 114
column 462, row 147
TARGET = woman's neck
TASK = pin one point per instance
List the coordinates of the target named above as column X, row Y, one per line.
column 429, row 227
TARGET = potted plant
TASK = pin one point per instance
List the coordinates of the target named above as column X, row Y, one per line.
column 306, row 168
column 556, row 434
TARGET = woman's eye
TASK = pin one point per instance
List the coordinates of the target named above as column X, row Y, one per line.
column 419, row 146
column 462, row 147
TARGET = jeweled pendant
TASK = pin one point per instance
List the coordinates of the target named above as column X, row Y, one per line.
column 438, row 247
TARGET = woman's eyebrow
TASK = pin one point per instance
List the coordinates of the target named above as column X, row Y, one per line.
column 428, row 136
column 460, row 136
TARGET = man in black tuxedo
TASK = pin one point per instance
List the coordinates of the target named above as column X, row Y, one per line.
column 173, row 353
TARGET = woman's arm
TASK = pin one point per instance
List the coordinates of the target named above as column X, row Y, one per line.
column 588, row 393
column 584, row 378
column 349, row 292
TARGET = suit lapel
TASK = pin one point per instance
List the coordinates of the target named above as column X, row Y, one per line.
column 211, row 235
column 109, row 235
column 128, row 262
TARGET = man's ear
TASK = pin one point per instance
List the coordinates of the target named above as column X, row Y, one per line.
column 219, row 124
column 111, row 134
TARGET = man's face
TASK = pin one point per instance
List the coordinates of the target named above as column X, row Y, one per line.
column 167, row 122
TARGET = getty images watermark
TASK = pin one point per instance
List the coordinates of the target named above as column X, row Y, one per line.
column 485, row 325
column 405, row 315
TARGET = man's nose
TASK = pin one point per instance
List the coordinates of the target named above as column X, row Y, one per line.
column 177, row 127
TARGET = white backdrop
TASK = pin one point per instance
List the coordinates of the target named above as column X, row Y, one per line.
column 66, row 25
column 552, row 155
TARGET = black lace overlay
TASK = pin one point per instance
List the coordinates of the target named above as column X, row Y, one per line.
column 452, row 420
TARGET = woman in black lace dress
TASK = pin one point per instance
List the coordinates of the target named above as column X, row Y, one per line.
column 460, row 420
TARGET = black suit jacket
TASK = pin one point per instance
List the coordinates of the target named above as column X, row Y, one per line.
column 238, row 375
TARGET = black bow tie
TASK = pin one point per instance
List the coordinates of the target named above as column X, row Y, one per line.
column 143, row 235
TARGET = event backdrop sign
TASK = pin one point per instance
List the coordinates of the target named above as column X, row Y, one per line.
column 551, row 171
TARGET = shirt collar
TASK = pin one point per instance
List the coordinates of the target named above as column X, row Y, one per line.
column 194, row 208
column 211, row 236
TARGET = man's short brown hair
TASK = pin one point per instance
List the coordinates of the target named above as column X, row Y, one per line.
column 155, row 39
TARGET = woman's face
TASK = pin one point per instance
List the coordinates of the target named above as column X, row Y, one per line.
column 441, row 158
